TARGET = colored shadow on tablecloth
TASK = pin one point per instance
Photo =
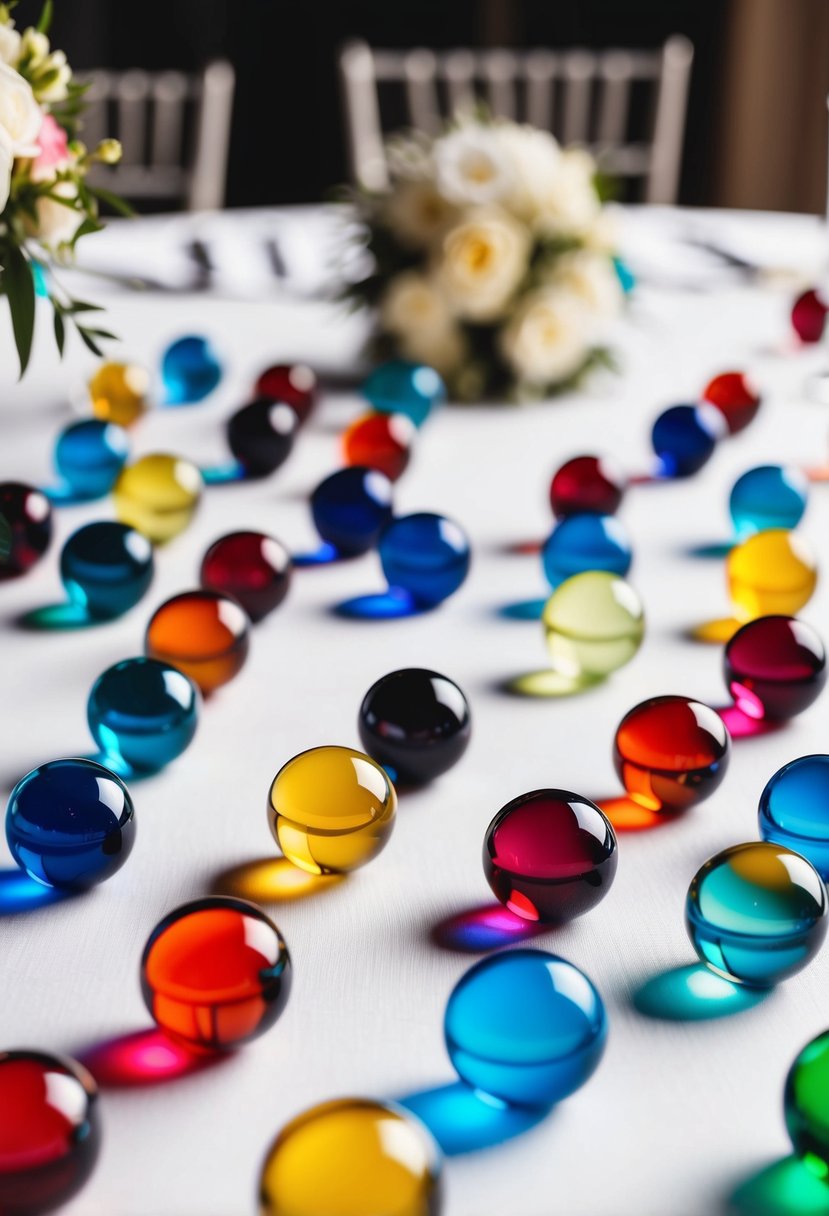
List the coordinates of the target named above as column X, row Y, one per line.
column 272, row 880
column 323, row 556
column 223, row 474
column 488, row 927
column 712, row 551
column 144, row 1058
column 741, row 726
column 547, row 683
column 465, row 1120
column 693, row 993
column 21, row 893
column 390, row 605
column 784, row 1188
column 57, row 618
column 522, row 610
column 627, row 815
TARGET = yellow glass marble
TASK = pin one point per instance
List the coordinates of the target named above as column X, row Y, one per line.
column 158, row 495
column 118, row 392
column 352, row 1157
column 331, row 809
column 594, row 623
column 771, row 573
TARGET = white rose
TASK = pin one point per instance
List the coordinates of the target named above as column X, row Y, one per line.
column 535, row 159
column 483, row 261
column 9, row 44
column 20, row 115
column 604, row 234
column 472, row 168
column 6, row 161
column 442, row 349
column 416, row 312
column 548, row 337
column 57, row 222
column 417, row 213
column 592, row 278
column 571, row 204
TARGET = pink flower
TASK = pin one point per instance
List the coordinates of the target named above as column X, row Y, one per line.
column 54, row 150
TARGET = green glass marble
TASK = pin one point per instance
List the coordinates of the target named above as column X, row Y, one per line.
column 806, row 1105
column 594, row 623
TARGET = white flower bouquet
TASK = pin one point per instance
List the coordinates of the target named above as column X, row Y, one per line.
column 492, row 260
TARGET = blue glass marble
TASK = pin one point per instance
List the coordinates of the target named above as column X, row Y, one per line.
column 794, row 809
column 406, row 388
column 770, row 496
column 142, row 713
column 425, row 555
column 586, row 542
column 106, row 567
column 89, row 455
column 525, row 1026
column 351, row 507
column 70, row 823
column 190, row 370
column 684, row 437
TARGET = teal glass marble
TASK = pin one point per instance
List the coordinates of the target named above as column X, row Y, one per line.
column 89, row 455
column 428, row 556
column 143, row 713
column 525, row 1026
column 806, row 1107
column 106, row 568
column 794, row 809
column 586, row 542
column 400, row 387
column 770, row 496
column 190, row 370
column 756, row 913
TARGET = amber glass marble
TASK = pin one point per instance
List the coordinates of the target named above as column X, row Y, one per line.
column 331, row 809
column 736, row 397
column 158, row 495
column 380, row 441
column 202, row 633
column 772, row 572
column 118, row 392
column 586, row 485
column 775, row 667
column 27, row 516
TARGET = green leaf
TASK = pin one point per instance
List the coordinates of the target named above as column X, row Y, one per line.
column 60, row 332
column 90, row 342
column 81, row 306
column 45, row 17
column 112, row 200
column 19, row 286
column 102, row 333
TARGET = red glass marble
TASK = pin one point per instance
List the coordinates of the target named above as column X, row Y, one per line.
column 586, row 485
column 809, row 316
column 291, row 382
column 736, row 397
column 671, row 752
column 775, row 667
column 49, row 1131
column 550, row 855
column 28, row 515
column 380, row 441
column 253, row 568
column 216, row 973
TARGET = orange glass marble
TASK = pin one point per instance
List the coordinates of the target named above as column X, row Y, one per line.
column 118, row 392
column 380, row 441
column 202, row 633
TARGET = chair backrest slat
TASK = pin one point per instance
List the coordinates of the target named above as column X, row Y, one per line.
column 420, row 72
column 171, row 91
column 499, row 70
column 669, row 120
column 359, row 70
column 540, row 72
column 131, row 93
column 459, row 74
column 616, row 73
column 577, row 69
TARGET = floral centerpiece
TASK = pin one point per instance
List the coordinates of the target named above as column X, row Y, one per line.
column 45, row 201
column 492, row 259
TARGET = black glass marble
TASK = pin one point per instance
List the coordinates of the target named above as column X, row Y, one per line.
column 415, row 723
column 27, row 533
column 261, row 435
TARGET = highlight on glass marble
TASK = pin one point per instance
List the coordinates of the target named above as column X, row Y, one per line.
column 215, row 973
column 106, row 568
column 190, row 370
column 88, row 456
column 594, row 624
column 525, row 1026
column 416, row 723
column 769, row 496
column 809, row 316
column 402, row 387
column 118, row 392
column 586, row 542
column 352, row 1157
column 794, row 809
column 775, row 667
column 737, row 398
column 684, row 437
column 250, row 567
column 158, row 495
column 70, row 823
column 142, row 714
column 350, row 508
column 202, row 633
column 50, row 1130
column 380, row 441
column 806, row 1105
column 756, row 913
column 587, row 485
column 550, row 855
column 770, row 573
column 331, row 809
column 293, row 383
column 425, row 555
column 261, row 435
column 28, row 517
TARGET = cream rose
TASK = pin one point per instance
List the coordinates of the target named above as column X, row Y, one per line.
column 9, row 43
column 416, row 313
column 548, row 337
column 591, row 278
column 6, row 162
column 57, row 222
column 418, row 214
column 535, row 158
column 472, row 167
column 570, row 204
column 20, row 115
column 484, row 259
column 442, row 349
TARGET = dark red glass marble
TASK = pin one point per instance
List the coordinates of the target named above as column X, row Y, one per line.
column 735, row 396
column 291, row 382
column 775, row 667
column 49, row 1131
column 253, row 568
column 550, row 855
column 380, row 441
column 586, row 485
column 671, row 752
column 28, row 516
column 809, row 316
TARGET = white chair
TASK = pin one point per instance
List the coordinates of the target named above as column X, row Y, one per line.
column 581, row 96
column 158, row 118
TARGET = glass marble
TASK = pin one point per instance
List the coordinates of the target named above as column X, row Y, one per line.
column 737, row 398
column 118, row 393
column 401, row 387
column 366, row 1158
column 756, row 913
column 769, row 496
column 261, row 435
column 806, row 1105
column 351, row 507
column 89, row 455
column 158, row 495
column 794, row 809
column 215, row 973
column 586, row 542
column 70, row 823
column 525, row 1026
column 293, row 383
column 50, row 1131
column 775, row 667
column 809, row 316
column 684, row 438
column 250, row 567
column 331, row 809
column 106, row 568
column 586, row 485
column 416, row 723
column 143, row 713
column 594, row 623
column 190, row 370
column 28, row 516
column 380, row 441
column 550, row 855
column 426, row 555
column 202, row 633
column 770, row 573
column 671, row 752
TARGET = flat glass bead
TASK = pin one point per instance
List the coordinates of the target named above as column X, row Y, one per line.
column 586, row 542
column 671, row 752
column 775, row 667
column 202, row 633
column 50, row 1132
column 190, row 370
column 365, row 1158
column 250, row 567
column 426, row 555
column 89, row 455
column 106, row 568
column 215, row 973
column 118, row 393
column 351, row 507
column 400, row 387
column 794, row 810
column 261, row 435
column 293, row 383
column 550, row 855
column 586, row 485
column 70, row 823
column 143, row 713
column 158, row 495
column 771, row 573
column 684, row 438
column 415, row 723
column 737, row 398
column 28, row 517
column 594, row 623
column 809, row 316
column 380, row 441
column 525, row 1026
column 769, row 496
column 806, row 1105
column 331, row 809
column 756, row 913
